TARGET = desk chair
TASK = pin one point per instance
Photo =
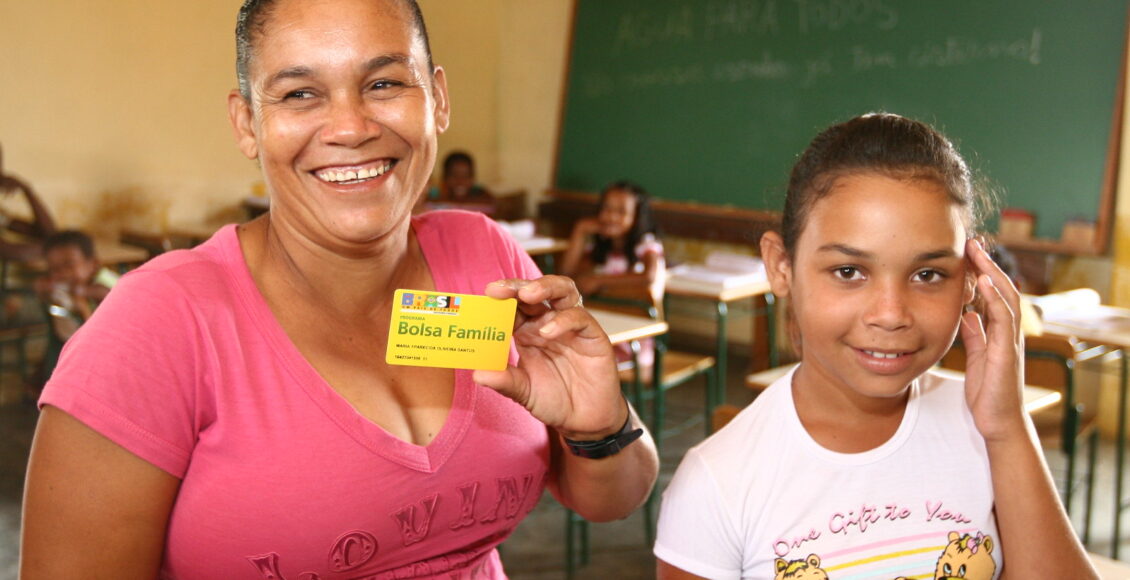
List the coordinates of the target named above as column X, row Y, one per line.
column 19, row 337
column 722, row 415
column 1050, row 361
column 669, row 370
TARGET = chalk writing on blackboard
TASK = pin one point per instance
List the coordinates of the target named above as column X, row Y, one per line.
column 950, row 51
column 719, row 19
column 710, row 100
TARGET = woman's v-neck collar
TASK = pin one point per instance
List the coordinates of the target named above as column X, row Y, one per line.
column 425, row 458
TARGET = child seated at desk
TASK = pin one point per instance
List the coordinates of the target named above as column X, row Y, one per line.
column 617, row 255
column 618, row 252
column 458, row 185
column 73, row 287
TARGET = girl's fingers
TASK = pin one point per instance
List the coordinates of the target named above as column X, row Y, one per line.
column 972, row 332
column 984, row 265
column 1001, row 311
column 999, row 296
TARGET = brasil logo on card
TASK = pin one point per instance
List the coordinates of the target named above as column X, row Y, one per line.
column 456, row 331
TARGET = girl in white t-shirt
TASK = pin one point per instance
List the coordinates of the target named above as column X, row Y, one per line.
column 863, row 463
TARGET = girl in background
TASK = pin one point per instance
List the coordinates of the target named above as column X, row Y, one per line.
column 618, row 253
column 862, row 462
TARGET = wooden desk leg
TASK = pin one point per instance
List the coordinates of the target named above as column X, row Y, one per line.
column 546, row 263
column 718, row 396
column 1119, row 459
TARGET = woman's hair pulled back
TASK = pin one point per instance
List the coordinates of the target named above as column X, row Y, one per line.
column 883, row 143
column 252, row 20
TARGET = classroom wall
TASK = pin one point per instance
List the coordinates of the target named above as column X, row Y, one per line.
column 505, row 64
column 115, row 111
column 466, row 38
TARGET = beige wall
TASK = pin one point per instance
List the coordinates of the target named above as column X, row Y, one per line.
column 505, row 63
column 115, row 111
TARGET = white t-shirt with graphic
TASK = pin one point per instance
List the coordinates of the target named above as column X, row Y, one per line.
column 762, row 499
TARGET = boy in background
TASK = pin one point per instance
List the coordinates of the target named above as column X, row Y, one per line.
column 74, row 285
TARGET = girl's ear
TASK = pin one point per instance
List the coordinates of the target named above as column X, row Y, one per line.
column 778, row 266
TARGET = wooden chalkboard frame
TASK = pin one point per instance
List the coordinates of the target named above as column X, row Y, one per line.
column 1104, row 222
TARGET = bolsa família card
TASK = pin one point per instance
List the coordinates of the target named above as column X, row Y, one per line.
column 456, row 331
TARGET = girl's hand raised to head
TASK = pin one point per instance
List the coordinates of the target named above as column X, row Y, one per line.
column 566, row 376
column 994, row 349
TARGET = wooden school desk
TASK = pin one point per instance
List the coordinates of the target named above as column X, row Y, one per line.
column 622, row 327
column 172, row 238
column 1110, row 569
column 721, row 299
column 1110, row 326
column 110, row 253
column 544, row 251
column 118, row 256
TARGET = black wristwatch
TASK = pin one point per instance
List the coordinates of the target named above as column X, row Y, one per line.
column 608, row 446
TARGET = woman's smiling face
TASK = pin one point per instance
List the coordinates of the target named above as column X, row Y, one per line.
column 877, row 283
column 343, row 118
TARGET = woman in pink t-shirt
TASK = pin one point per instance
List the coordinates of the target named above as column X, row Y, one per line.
column 228, row 412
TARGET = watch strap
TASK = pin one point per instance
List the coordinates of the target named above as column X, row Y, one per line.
column 608, row 446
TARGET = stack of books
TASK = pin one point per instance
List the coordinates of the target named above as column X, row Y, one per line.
column 722, row 271
column 1081, row 308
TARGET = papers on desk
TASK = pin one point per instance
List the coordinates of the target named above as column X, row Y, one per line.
column 520, row 229
column 721, row 271
column 1095, row 318
column 526, row 233
column 537, row 243
column 1082, row 309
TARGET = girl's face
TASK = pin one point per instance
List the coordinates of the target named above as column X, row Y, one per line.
column 877, row 283
column 617, row 213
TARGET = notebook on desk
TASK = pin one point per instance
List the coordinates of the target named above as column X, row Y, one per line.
column 721, row 271
column 1082, row 309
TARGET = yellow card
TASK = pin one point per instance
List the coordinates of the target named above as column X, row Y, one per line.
column 454, row 331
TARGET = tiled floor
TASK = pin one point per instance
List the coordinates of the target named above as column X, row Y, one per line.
column 536, row 551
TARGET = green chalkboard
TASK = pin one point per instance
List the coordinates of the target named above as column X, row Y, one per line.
column 711, row 100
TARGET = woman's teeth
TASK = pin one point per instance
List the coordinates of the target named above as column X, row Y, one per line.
column 882, row 354
column 348, row 176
